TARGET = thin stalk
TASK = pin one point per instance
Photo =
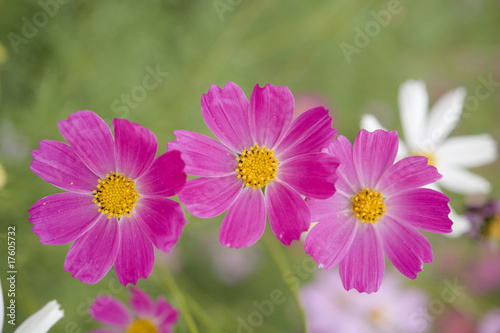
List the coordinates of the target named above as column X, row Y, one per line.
column 281, row 260
column 181, row 300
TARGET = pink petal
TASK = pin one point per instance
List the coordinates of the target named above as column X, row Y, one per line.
column 363, row 265
column 166, row 176
column 161, row 219
column 225, row 112
column 245, row 221
column 409, row 173
column 204, row 156
column 309, row 133
column 405, row 247
column 334, row 205
column 348, row 179
column 135, row 147
column 110, row 311
column 141, row 302
column 270, row 114
column 328, row 241
column 58, row 164
column 136, row 256
column 167, row 314
column 91, row 139
column 209, row 197
column 92, row 255
column 311, row 175
column 288, row 213
column 63, row 217
column 422, row 208
column 373, row 154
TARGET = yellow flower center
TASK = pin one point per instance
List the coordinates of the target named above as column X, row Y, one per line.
column 431, row 160
column 142, row 326
column 257, row 166
column 368, row 205
column 378, row 317
column 116, row 195
column 491, row 228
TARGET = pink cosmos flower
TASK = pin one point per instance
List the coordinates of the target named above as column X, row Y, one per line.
column 117, row 206
column 262, row 165
column 147, row 315
column 377, row 208
column 393, row 309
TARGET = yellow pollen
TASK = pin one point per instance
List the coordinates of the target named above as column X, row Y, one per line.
column 368, row 205
column 257, row 166
column 116, row 195
column 378, row 317
column 142, row 326
column 431, row 160
column 491, row 229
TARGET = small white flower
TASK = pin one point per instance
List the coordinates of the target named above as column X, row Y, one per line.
column 426, row 133
column 40, row 322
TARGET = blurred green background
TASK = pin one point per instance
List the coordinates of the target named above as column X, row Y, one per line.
column 88, row 55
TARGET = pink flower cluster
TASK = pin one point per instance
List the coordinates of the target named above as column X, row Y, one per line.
column 263, row 165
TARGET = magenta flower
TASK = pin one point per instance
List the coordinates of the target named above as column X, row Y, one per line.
column 262, row 165
column 117, row 206
column 147, row 315
column 377, row 208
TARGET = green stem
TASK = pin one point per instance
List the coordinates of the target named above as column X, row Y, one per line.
column 202, row 315
column 181, row 301
column 283, row 264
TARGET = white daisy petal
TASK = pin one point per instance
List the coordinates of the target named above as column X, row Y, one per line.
column 460, row 224
column 462, row 181
column 413, row 104
column 402, row 151
column 445, row 115
column 42, row 320
column 370, row 123
column 468, row 151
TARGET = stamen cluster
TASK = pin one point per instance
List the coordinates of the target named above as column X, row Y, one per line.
column 368, row 205
column 142, row 326
column 257, row 166
column 491, row 229
column 116, row 195
column 431, row 160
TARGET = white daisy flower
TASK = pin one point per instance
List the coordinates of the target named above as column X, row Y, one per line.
column 40, row 322
column 426, row 133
